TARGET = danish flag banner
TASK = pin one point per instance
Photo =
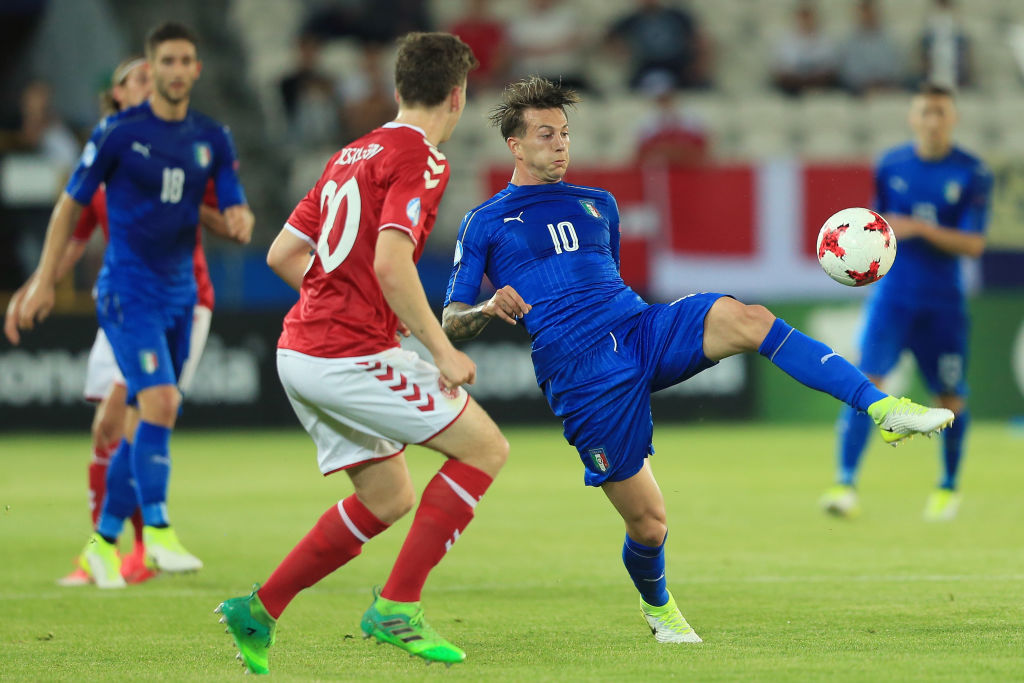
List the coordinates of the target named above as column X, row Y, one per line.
column 745, row 230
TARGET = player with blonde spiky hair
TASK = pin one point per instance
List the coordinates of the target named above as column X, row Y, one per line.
column 551, row 249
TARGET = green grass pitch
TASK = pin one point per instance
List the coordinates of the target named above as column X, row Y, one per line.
column 535, row 590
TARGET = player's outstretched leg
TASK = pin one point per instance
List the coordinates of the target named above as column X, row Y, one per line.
column 402, row 624
column 251, row 627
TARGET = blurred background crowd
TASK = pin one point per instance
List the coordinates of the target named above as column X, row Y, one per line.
column 666, row 83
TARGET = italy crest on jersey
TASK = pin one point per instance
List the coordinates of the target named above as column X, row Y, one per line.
column 590, row 208
column 203, row 154
column 148, row 361
column 599, row 457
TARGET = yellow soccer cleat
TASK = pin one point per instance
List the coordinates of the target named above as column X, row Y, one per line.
column 901, row 418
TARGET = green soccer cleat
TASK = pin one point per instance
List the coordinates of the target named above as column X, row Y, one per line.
column 166, row 553
column 247, row 621
column 841, row 500
column 667, row 623
column 942, row 506
column 101, row 562
column 901, row 418
column 402, row 624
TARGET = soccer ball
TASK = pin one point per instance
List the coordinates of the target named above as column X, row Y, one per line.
column 856, row 247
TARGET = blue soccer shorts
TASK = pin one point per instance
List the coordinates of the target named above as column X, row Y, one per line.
column 150, row 343
column 936, row 336
column 604, row 395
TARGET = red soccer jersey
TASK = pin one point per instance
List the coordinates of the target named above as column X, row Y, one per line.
column 391, row 178
column 95, row 214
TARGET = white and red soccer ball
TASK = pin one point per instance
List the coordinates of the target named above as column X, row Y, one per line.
column 856, row 247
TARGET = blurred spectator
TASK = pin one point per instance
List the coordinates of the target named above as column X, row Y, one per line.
column 545, row 39
column 310, row 104
column 19, row 20
column 368, row 94
column 42, row 131
column 945, row 48
column 869, row 60
column 661, row 38
column 670, row 135
column 805, row 58
column 376, row 21
column 486, row 37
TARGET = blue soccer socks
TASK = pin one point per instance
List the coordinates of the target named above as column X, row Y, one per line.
column 854, row 428
column 952, row 449
column 151, row 467
column 120, row 501
column 815, row 365
column 646, row 566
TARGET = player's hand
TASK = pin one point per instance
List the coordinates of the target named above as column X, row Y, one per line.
column 402, row 331
column 13, row 314
column 456, row 369
column 240, row 222
column 507, row 305
column 36, row 305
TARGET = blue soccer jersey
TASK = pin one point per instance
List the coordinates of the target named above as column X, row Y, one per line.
column 558, row 246
column 952, row 192
column 155, row 172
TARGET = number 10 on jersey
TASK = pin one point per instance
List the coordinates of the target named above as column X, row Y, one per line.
column 564, row 237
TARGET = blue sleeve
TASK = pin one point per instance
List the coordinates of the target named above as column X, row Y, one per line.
column 225, row 171
column 470, row 260
column 974, row 217
column 99, row 157
column 613, row 226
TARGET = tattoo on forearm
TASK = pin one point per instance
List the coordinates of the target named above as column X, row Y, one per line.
column 461, row 321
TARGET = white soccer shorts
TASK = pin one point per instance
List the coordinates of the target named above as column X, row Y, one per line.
column 102, row 370
column 367, row 408
column 201, row 317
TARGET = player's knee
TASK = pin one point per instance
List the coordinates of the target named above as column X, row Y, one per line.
column 649, row 531
column 160, row 404
column 753, row 324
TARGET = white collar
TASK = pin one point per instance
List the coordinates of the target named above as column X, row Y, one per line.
column 396, row 124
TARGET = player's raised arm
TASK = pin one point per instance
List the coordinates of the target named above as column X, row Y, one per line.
column 461, row 321
column 38, row 300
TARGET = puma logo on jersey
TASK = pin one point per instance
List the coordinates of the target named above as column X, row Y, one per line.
column 514, row 218
column 351, row 155
column 827, row 356
column 141, row 149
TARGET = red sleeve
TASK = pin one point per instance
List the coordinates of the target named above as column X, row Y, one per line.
column 417, row 185
column 210, row 196
column 204, row 285
column 90, row 217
